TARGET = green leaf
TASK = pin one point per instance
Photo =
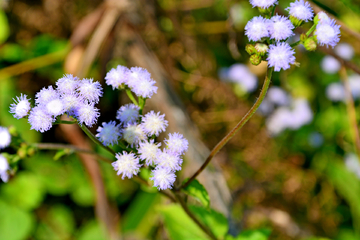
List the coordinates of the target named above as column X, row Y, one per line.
column 179, row 225
column 214, row 220
column 61, row 153
column 260, row 234
column 198, row 191
column 4, row 27
column 15, row 223
column 92, row 231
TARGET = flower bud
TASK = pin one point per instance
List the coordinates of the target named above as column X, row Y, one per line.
column 265, row 10
column 303, row 37
column 295, row 21
column 310, row 44
column 255, row 59
column 261, row 49
column 250, row 49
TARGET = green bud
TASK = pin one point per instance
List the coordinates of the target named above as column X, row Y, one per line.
column 250, row 49
column 255, row 59
column 265, row 10
column 12, row 130
column 261, row 49
column 21, row 153
column 31, row 151
column 310, row 44
column 303, row 37
column 295, row 21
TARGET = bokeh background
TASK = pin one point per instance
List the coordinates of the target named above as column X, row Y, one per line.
column 293, row 169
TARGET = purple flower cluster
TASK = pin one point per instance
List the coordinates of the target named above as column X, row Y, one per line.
column 75, row 97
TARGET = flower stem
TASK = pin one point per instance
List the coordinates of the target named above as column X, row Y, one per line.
column 311, row 30
column 242, row 122
column 57, row 146
column 131, row 96
column 94, row 139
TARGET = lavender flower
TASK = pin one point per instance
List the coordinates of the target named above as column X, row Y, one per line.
column 169, row 159
column 263, row 3
column 67, row 84
column 330, row 65
column 177, row 143
column 345, row 51
column 117, row 77
column 4, row 167
column 280, row 28
column 55, row 107
column 327, row 33
column 127, row 164
column 5, row 137
column 71, row 102
column 149, row 151
column 278, row 96
column 335, row 92
column 45, row 95
column 87, row 113
column 280, row 56
column 163, row 178
column 141, row 83
column 154, row 123
column 257, row 28
column 240, row 73
column 301, row 10
column 21, row 106
column 134, row 134
column 40, row 120
column 109, row 133
column 322, row 17
column 90, row 90
column 128, row 113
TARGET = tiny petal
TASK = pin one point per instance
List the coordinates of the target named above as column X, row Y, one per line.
column 127, row 164
column 40, row 120
column 154, row 123
column 163, row 178
column 90, row 90
column 280, row 56
column 117, row 76
column 5, row 137
column 21, row 106
column 177, row 143
column 257, row 28
column 109, row 133
column 128, row 113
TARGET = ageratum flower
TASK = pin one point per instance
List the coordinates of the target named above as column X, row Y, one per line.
column 109, row 133
column 67, row 84
column 154, row 123
column 128, row 113
column 134, row 134
column 163, row 178
column 127, row 164
column 21, row 106
column 327, row 33
column 280, row 28
column 5, row 137
column 117, row 77
column 45, row 95
column 263, row 3
column 149, row 151
column 55, row 107
column 257, row 28
column 335, row 92
column 4, row 167
column 89, row 90
column 141, row 83
column 344, row 50
column 281, row 55
column 177, row 143
column 169, row 159
column 87, row 113
column 40, row 120
column 301, row 10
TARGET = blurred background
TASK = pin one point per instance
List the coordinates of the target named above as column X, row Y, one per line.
column 293, row 168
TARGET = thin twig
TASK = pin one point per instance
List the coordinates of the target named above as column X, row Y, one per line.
column 242, row 122
column 193, row 217
column 351, row 109
column 58, row 146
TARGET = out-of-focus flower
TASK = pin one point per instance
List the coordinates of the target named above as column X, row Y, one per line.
column 344, row 50
column 335, row 92
column 5, row 137
column 240, row 73
column 352, row 163
column 4, row 167
column 354, row 82
column 278, row 96
column 330, row 64
column 263, row 3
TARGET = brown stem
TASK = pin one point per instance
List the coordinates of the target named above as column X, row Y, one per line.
column 242, row 122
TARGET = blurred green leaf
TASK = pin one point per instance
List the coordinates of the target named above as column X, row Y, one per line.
column 25, row 191
column 91, row 231
column 15, row 223
column 61, row 153
column 214, row 220
column 179, row 225
column 4, row 27
column 259, row 234
column 198, row 191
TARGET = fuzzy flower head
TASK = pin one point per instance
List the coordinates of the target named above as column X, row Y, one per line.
column 71, row 103
column 328, row 33
column 322, row 17
column 149, row 151
column 163, row 178
column 170, row 160
column 21, row 107
column 335, row 92
column 177, row 143
column 154, row 123
column 280, row 28
column 345, row 51
column 127, row 164
column 109, row 133
column 40, row 120
column 55, row 107
column 263, row 3
column 301, row 10
column 67, row 84
column 5, row 137
column 141, row 83
column 257, row 28
column 87, row 113
column 90, row 90
column 128, row 113
column 4, row 167
column 280, row 56
column 46, row 95
column 117, row 77
column 134, row 134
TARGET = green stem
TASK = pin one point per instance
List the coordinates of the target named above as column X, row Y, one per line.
column 311, row 30
column 273, row 11
column 131, row 96
column 141, row 104
column 94, row 139
column 242, row 122
column 295, row 44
